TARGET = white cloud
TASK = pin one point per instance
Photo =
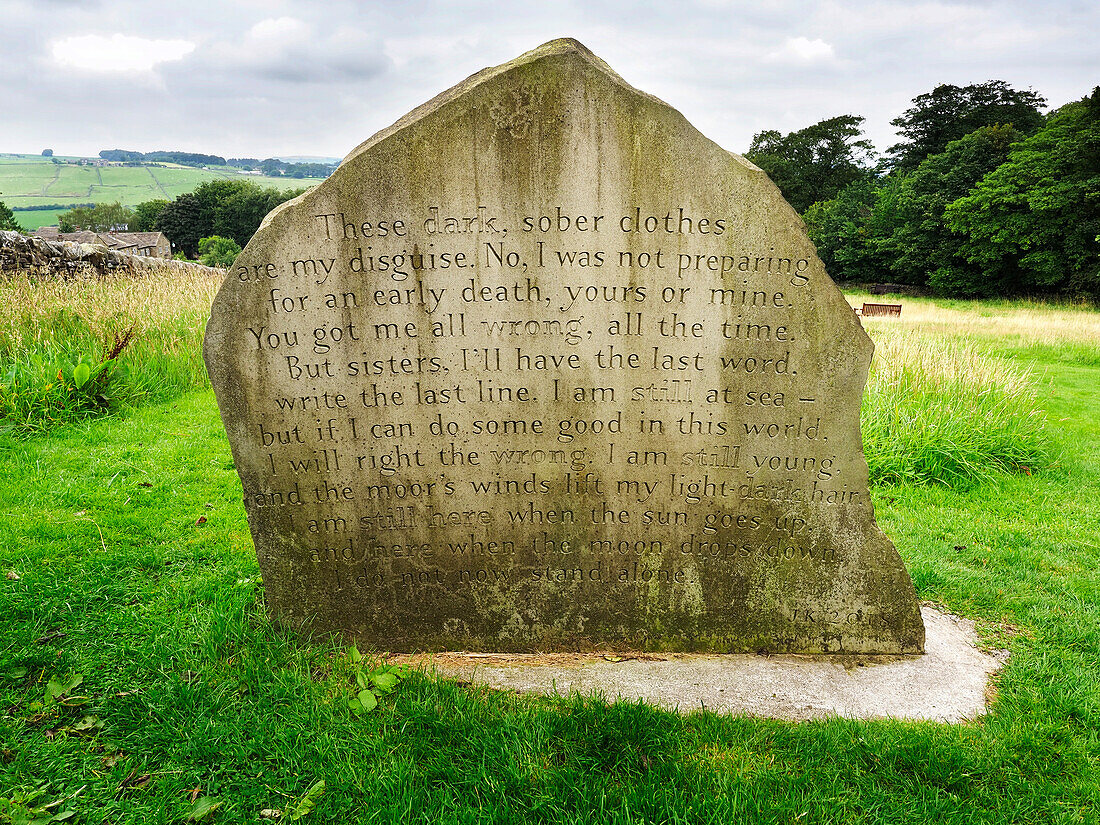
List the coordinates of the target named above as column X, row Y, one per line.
column 804, row 50
column 291, row 50
column 117, row 53
column 278, row 30
column 271, row 77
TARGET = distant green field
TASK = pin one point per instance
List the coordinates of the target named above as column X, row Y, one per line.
column 38, row 218
column 31, row 180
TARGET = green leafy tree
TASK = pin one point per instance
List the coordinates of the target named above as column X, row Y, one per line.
column 146, row 214
column 103, row 217
column 1033, row 223
column 851, row 229
column 950, row 112
column 218, row 251
column 815, row 163
column 7, row 219
column 239, row 214
column 229, row 208
column 182, row 221
column 47, row 153
column 918, row 246
column 194, row 215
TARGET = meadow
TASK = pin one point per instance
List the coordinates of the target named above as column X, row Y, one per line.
column 33, row 180
column 141, row 681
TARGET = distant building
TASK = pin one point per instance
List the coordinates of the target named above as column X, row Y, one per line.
column 149, row 244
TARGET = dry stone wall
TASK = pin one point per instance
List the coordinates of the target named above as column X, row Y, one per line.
column 540, row 366
column 40, row 258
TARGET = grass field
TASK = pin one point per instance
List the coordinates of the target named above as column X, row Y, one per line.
column 31, row 180
column 125, row 559
column 32, row 220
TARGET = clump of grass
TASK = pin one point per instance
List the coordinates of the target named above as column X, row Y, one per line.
column 75, row 349
column 936, row 412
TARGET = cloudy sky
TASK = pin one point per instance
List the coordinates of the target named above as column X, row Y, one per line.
column 311, row 77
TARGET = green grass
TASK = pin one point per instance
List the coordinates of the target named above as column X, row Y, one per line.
column 31, row 176
column 32, row 220
column 28, row 180
column 135, row 570
column 72, row 182
column 938, row 412
column 49, row 327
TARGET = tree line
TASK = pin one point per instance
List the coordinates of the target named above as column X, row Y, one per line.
column 211, row 224
column 272, row 167
column 160, row 156
column 983, row 196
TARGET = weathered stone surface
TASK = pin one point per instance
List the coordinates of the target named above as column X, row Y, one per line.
column 541, row 367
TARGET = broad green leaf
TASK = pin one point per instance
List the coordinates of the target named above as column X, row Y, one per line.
column 203, row 807
column 361, row 680
column 56, row 688
column 307, row 803
column 368, row 700
column 354, row 655
column 87, row 724
column 384, row 681
column 81, row 374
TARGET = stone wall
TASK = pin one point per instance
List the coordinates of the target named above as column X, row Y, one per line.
column 62, row 259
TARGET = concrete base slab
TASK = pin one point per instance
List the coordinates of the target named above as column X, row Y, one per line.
column 949, row 683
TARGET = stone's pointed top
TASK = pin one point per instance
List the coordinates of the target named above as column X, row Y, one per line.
column 569, row 46
column 561, row 47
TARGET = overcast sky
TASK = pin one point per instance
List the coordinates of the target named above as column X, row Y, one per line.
column 264, row 78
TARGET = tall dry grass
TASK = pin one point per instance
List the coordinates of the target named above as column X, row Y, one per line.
column 1068, row 332
column 937, row 411
column 49, row 328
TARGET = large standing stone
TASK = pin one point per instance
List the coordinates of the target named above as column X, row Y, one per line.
column 540, row 366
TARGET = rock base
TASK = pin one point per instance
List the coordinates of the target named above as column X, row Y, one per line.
column 949, row 683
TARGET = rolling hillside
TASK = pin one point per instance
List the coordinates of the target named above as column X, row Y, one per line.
column 33, row 180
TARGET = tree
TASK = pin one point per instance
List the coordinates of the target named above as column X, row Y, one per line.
column 103, row 217
column 848, row 230
column 239, row 214
column 218, row 251
column 145, row 215
column 815, row 163
column 1035, row 220
column 47, row 153
column 919, row 247
column 230, row 208
column 7, row 219
column 182, row 221
column 121, row 155
column 950, row 112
